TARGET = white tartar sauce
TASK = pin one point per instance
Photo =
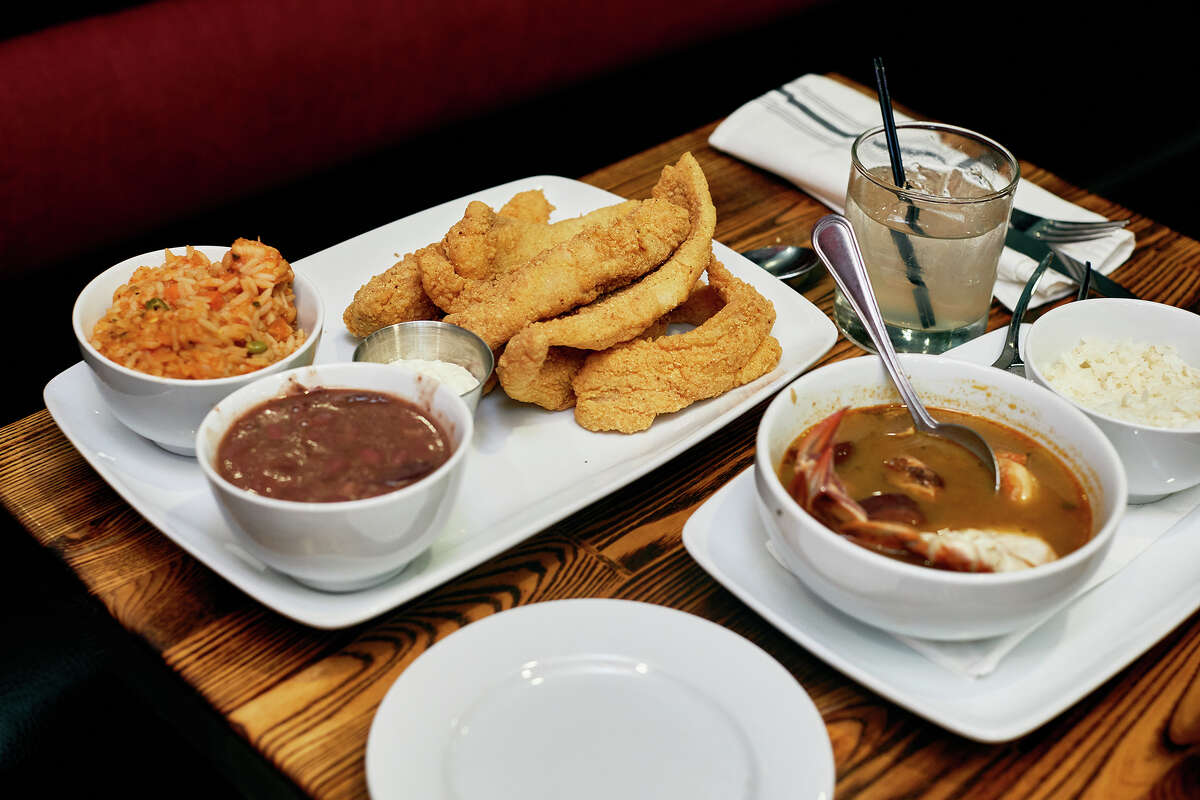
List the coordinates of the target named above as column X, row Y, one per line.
column 457, row 378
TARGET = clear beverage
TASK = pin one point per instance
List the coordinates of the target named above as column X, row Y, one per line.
column 930, row 249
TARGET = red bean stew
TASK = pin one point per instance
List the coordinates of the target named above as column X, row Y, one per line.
column 325, row 445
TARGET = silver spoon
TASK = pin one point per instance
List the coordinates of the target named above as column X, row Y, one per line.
column 796, row 266
column 836, row 245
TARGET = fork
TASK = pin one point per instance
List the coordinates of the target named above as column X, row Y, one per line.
column 1010, row 356
column 1062, row 231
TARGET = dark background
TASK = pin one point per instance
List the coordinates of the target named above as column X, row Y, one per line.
column 1123, row 126
column 83, row 706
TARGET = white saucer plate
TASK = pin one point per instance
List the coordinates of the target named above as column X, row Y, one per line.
column 597, row 699
column 528, row 468
column 1070, row 655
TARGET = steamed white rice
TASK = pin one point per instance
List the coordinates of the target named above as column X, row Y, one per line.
column 1149, row 384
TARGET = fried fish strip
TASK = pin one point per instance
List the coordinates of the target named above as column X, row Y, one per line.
column 575, row 272
column 702, row 303
column 625, row 313
column 527, row 206
column 473, row 245
column 765, row 359
column 548, row 386
column 484, row 245
column 534, row 372
column 626, row 387
column 390, row 297
column 396, row 295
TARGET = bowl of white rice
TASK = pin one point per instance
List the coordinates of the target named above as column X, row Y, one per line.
column 1133, row 367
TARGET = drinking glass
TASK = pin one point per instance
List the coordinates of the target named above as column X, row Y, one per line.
column 931, row 246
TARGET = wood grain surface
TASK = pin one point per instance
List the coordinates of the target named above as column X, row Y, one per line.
column 305, row 698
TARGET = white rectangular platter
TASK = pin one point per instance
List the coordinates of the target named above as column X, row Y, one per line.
column 527, row 468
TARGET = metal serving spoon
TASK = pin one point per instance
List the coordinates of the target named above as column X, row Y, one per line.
column 798, row 267
column 836, row 245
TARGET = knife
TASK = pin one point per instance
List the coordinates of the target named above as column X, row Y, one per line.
column 1028, row 246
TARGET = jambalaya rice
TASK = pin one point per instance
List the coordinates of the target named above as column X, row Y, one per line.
column 195, row 318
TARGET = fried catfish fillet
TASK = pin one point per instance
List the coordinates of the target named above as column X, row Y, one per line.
column 624, row 388
column 390, row 297
column 527, row 206
column 396, row 295
column 625, row 313
column 484, row 245
column 574, row 273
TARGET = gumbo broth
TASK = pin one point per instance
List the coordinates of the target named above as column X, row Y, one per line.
column 898, row 475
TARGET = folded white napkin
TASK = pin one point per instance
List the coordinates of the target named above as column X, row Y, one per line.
column 803, row 132
column 1141, row 527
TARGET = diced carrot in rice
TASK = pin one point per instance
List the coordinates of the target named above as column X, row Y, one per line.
column 280, row 329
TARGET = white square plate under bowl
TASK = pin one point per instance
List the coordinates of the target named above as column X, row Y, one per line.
column 1062, row 661
column 592, row 699
column 528, row 467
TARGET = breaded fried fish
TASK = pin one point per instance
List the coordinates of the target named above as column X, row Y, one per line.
column 390, row 297
column 527, row 206
column 575, row 272
column 625, row 387
column 396, row 295
column 484, row 245
column 625, row 313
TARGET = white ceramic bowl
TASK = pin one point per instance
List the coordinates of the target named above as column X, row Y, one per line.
column 167, row 411
column 352, row 544
column 919, row 601
column 1158, row 461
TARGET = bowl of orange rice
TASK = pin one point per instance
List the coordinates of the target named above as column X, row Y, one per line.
column 169, row 334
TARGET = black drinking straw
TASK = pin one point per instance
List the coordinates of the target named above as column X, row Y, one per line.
column 912, row 269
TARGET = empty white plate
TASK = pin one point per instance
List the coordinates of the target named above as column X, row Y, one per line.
column 597, row 699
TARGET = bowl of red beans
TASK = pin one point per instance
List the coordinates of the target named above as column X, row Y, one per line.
column 337, row 475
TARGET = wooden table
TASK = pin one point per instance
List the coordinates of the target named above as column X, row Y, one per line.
column 304, row 698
